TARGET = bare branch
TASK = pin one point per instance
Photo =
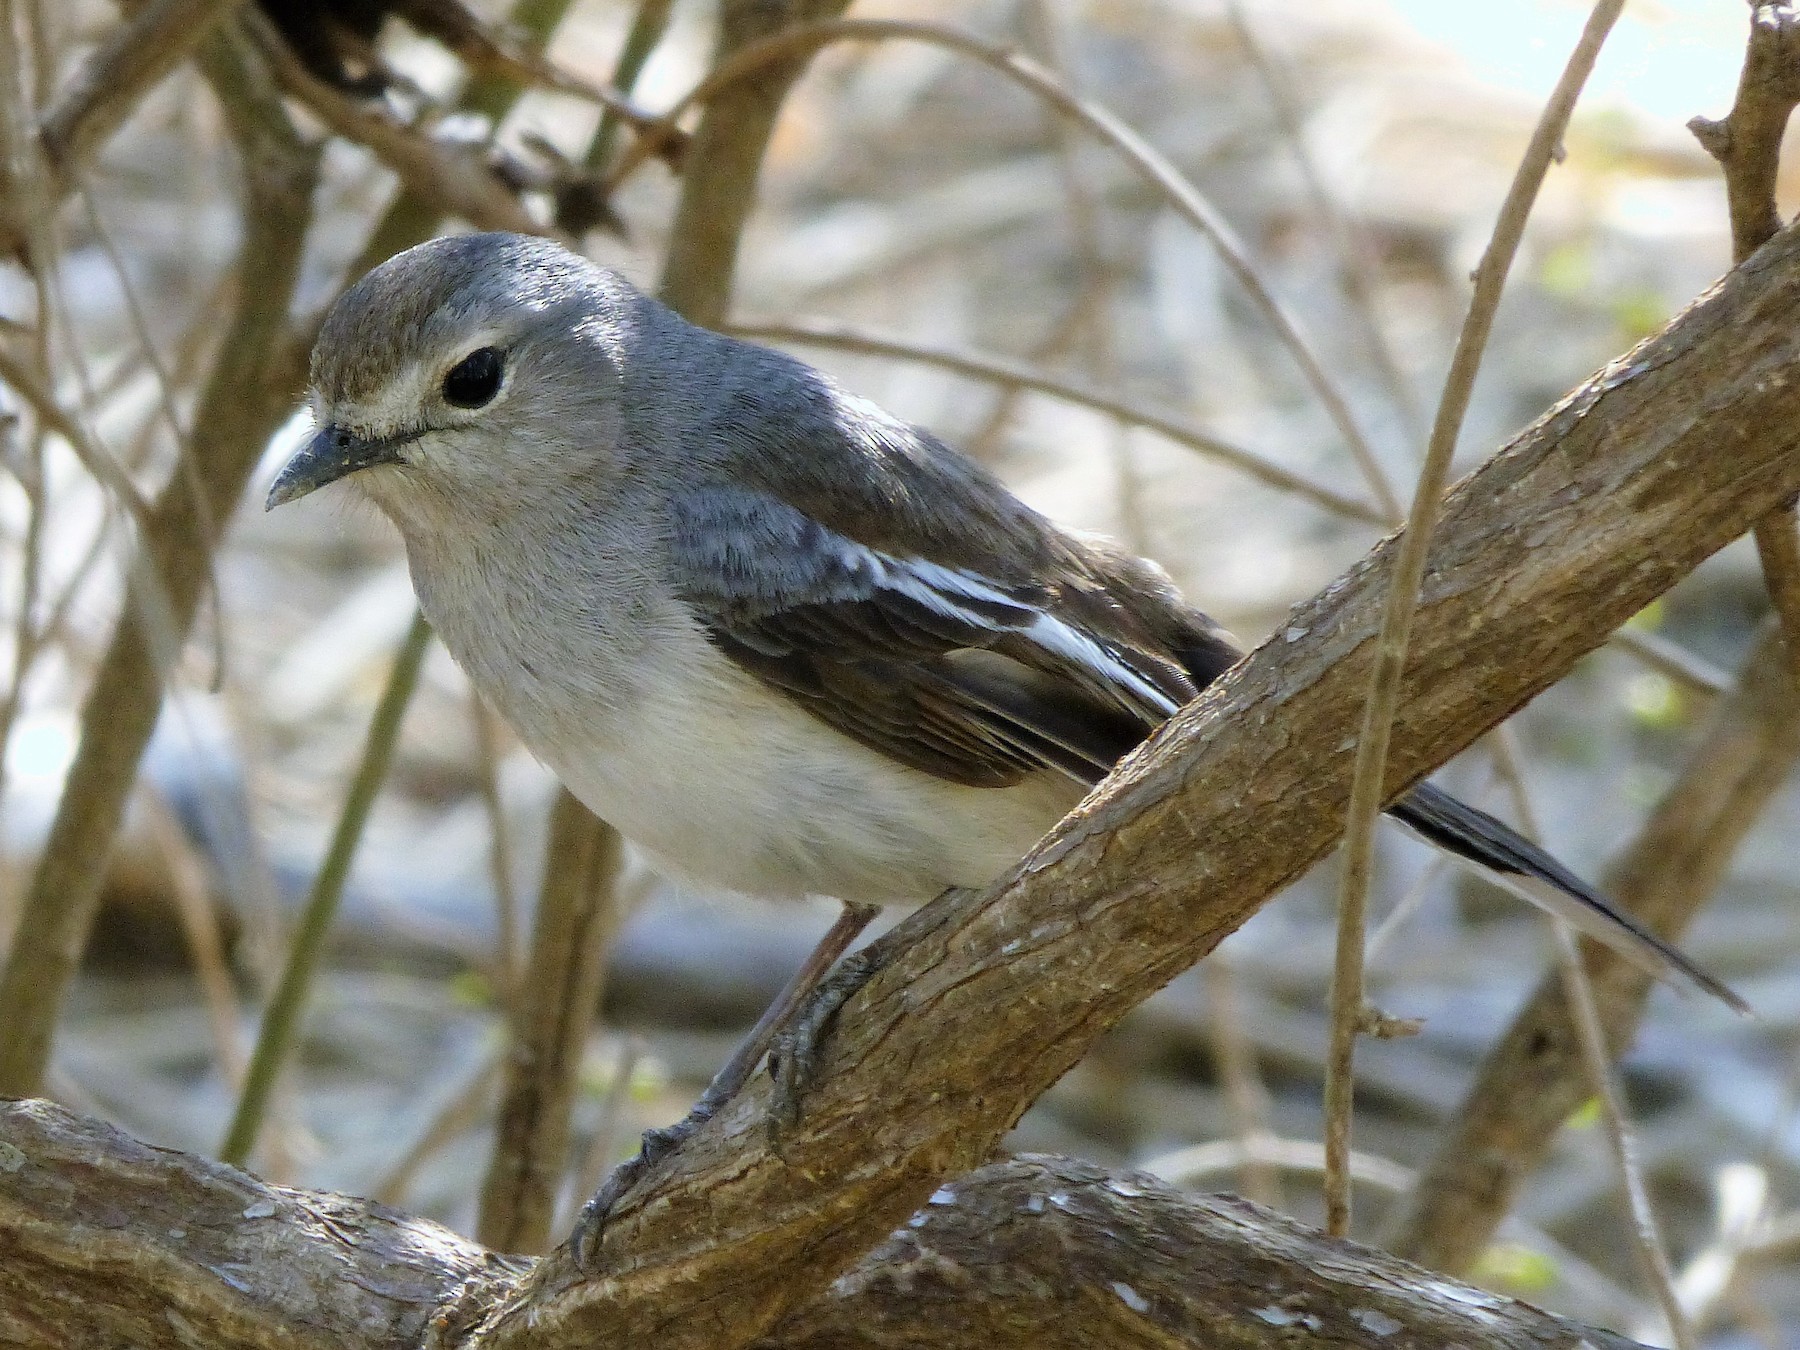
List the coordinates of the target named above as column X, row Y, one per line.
column 779, row 50
column 134, row 58
column 1671, row 660
column 1367, row 793
column 1646, row 1231
column 287, row 1005
column 111, row 1242
column 1747, row 144
column 578, row 913
column 1747, row 141
column 254, row 378
column 455, row 178
column 718, row 187
column 1017, row 375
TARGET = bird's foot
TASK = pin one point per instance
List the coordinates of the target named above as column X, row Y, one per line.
column 798, row 1044
column 793, row 1002
column 657, row 1144
column 797, row 1049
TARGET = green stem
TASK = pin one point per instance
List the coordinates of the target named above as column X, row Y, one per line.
column 276, row 1037
column 647, row 29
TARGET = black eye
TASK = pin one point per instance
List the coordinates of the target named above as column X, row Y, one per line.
column 474, row 380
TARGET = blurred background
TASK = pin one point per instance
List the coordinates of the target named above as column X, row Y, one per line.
column 915, row 209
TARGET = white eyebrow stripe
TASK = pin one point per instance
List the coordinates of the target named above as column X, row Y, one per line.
column 932, row 585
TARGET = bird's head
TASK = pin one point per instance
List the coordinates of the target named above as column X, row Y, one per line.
column 465, row 376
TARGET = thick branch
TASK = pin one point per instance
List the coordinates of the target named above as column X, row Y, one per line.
column 1611, row 497
column 104, row 1241
column 1062, row 1255
column 107, row 1241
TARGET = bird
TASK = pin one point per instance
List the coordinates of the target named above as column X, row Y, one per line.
column 782, row 640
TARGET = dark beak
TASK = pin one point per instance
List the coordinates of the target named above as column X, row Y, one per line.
column 331, row 454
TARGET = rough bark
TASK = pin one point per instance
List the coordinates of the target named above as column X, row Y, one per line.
column 106, row 1241
column 982, row 1002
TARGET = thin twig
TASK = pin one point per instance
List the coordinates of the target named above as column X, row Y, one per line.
column 1741, row 1220
column 200, row 927
column 1180, row 192
column 245, row 393
column 1358, row 264
column 114, row 79
column 455, row 178
column 531, row 66
column 186, row 466
column 1011, row 374
column 1369, row 788
column 1247, row 1101
column 462, row 1108
column 95, row 458
column 647, row 28
column 1646, row 1232
column 1195, row 1165
column 1535, row 1076
column 1692, row 672
column 718, row 183
column 281, row 1020
column 1099, row 279
column 1058, row 338
column 416, row 212
column 1747, row 145
column 597, row 1161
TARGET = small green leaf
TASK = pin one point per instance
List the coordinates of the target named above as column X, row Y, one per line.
column 1521, row 1270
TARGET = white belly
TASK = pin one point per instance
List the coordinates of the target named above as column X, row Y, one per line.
column 730, row 784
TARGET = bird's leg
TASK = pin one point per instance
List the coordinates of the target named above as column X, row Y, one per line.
column 798, row 1044
column 793, row 1001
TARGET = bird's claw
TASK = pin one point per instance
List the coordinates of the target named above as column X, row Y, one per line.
column 656, row 1145
column 794, row 1056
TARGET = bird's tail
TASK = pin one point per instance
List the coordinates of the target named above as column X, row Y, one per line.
column 1511, row 860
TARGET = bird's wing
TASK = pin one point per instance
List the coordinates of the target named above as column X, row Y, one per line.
column 965, row 676
column 902, row 595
